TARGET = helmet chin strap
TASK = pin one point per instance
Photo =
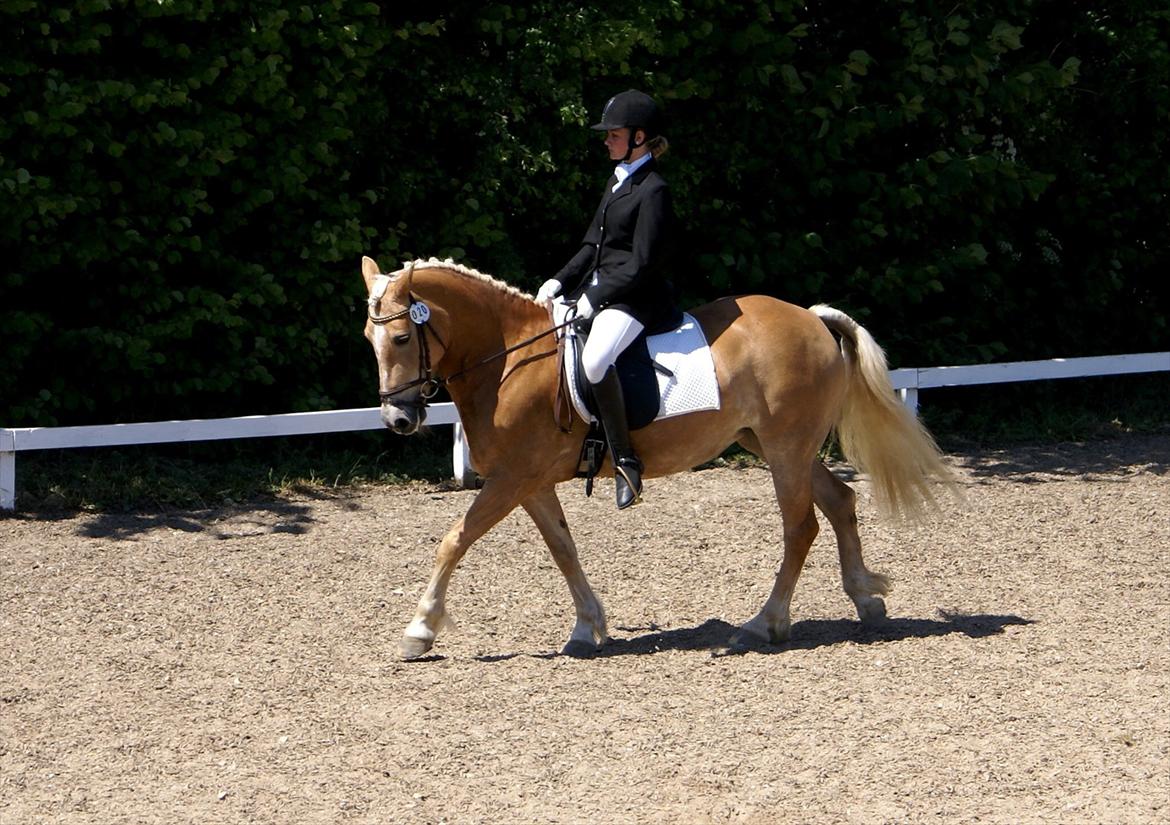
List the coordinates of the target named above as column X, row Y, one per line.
column 630, row 145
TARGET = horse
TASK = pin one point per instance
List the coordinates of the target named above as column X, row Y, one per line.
column 786, row 383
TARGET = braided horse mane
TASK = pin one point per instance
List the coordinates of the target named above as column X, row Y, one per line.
column 466, row 271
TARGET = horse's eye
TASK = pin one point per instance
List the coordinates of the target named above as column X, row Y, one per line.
column 404, row 338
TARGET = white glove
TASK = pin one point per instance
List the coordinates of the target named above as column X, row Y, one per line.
column 548, row 290
column 585, row 309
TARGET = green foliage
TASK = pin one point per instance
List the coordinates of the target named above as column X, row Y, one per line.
column 187, row 187
column 181, row 186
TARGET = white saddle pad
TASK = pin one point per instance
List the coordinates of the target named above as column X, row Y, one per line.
column 691, row 386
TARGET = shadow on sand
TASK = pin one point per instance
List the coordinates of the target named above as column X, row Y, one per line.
column 1094, row 459
column 717, row 636
column 221, row 522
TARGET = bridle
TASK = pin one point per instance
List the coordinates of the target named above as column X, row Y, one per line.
column 426, row 377
column 430, row 383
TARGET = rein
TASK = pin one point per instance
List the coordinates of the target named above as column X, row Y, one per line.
column 431, row 384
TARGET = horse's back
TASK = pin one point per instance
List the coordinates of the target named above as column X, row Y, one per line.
column 750, row 328
column 777, row 363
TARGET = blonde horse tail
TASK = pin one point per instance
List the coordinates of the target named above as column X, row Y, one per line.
column 878, row 434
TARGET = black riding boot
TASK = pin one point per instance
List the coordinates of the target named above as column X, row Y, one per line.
column 627, row 469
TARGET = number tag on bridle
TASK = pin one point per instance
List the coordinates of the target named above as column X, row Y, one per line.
column 419, row 312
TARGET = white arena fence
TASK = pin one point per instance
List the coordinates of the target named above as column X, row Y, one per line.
column 907, row 382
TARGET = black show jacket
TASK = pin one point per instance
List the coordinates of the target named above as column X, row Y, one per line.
column 629, row 244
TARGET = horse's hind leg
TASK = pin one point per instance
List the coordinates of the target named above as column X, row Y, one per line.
column 794, row 495
column 838, row 502
column 589, row 632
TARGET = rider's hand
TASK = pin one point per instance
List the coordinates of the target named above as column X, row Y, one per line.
column 548, row 290
column 585, row 310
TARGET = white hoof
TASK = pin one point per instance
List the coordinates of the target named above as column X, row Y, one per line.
column 412, row 648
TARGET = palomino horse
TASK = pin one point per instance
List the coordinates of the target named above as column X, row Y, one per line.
column 784, row 382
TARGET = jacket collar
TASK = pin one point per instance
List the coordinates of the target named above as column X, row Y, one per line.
column 626, row 168
column 633, row 180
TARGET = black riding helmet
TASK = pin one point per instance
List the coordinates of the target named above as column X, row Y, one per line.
column 631, row 110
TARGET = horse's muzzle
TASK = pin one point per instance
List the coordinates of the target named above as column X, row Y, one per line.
column 404, row 418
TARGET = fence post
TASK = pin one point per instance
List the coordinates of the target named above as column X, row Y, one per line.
column 7, row 470
column 461, row 459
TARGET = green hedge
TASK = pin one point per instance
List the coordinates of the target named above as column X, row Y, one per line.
column 187, row 190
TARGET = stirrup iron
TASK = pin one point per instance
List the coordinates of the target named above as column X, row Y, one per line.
column 627, row 480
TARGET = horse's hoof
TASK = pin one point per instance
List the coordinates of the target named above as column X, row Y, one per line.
column 872, row 611
column 412, row 648
column 577, row 649
column 781, row 634
column 743, row 641
column 739, row 644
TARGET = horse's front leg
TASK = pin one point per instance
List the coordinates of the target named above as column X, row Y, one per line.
column 589, row 632
column 494, row 501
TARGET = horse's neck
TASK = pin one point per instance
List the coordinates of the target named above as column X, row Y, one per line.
column 483, row 322
column 497, row 394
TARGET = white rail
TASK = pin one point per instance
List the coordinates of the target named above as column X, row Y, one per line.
column 909, row 381
column 906, row 381
column 17, row 440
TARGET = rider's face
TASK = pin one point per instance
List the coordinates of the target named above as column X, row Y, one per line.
column 617, row 142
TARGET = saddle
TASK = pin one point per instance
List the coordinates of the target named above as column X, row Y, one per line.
column 636, row 371
column 664, row 372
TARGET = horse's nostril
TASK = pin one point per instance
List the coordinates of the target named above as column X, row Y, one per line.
column 396, row 420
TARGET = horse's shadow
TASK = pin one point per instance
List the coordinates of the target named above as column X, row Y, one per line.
column 718, row 636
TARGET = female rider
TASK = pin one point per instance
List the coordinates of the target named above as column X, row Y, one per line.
column 618, row 276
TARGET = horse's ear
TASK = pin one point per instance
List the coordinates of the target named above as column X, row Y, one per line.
column 370, row 271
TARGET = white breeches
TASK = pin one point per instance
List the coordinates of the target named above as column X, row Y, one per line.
column 613, row 331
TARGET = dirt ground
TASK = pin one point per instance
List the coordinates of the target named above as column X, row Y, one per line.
column 237, row 665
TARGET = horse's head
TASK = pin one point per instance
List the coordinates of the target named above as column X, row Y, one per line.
column 398, row 327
